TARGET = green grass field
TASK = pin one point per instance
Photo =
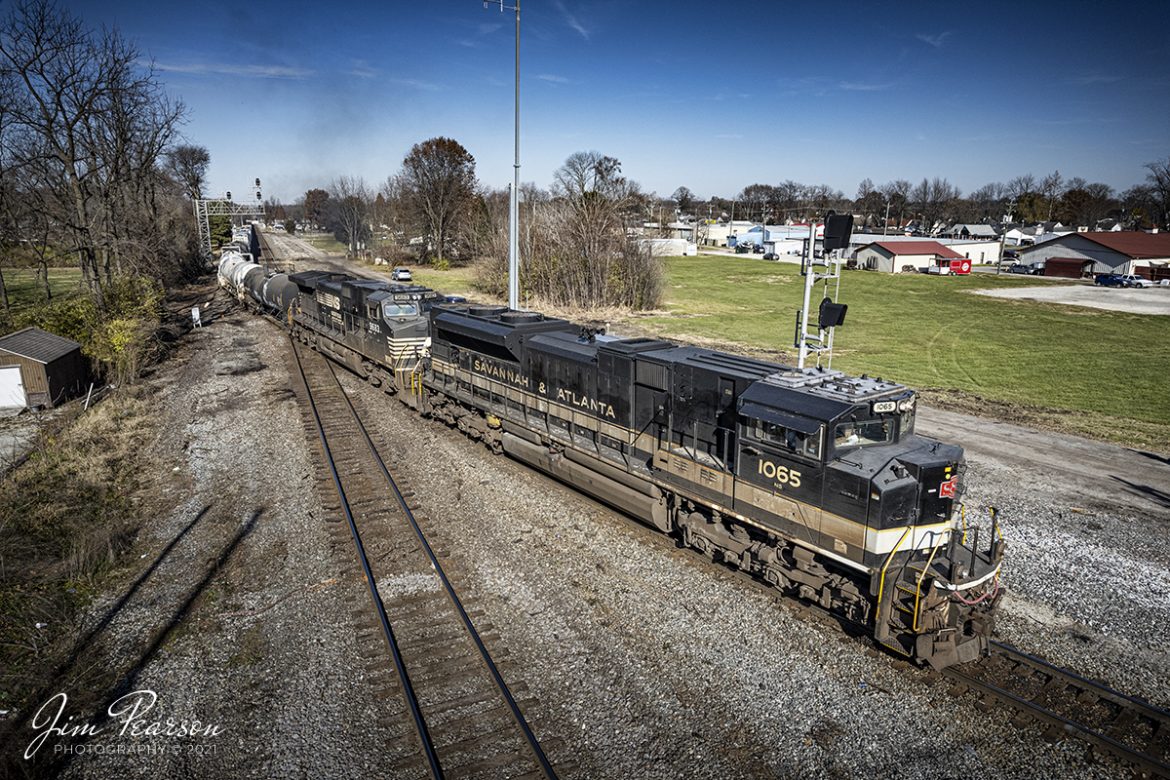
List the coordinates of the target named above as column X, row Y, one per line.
column 932, row 333
column 454, row 281
column 323, row 241
column 24, row 290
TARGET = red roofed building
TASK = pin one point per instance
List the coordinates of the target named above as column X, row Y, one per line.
column 1084, row 254
column 898, row 256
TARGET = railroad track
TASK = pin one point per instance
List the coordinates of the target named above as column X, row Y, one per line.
column 1071, row 705
column 464, row 720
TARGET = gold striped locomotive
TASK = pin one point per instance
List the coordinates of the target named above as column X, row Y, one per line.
column 811, row 480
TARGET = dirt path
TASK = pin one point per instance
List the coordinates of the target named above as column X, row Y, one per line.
column 1065, row 469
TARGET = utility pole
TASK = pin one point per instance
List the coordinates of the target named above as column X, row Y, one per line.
column 514, row 201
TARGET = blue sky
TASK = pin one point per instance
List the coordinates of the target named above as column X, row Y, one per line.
column 713, row 96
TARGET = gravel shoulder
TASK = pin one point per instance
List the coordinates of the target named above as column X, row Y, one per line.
column 230, row 610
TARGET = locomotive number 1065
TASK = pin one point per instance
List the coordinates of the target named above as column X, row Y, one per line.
column 781, row 474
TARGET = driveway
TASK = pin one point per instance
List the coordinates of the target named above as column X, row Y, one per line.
column 1144, row 300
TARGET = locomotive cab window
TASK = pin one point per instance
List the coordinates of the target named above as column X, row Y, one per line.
column 798, row 442
column 392, row 309
column 906, row 426
column 853, row 433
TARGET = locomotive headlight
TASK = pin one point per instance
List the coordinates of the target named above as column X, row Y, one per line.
column 884, row 406
column 905, row 406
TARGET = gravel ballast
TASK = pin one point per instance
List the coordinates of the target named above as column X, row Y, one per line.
column 242, row 623
column 652, row 663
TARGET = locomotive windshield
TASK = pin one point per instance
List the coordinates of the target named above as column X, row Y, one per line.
column 392, row 309
column 863, row 433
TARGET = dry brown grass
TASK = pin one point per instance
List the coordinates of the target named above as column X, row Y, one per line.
column 64, row 518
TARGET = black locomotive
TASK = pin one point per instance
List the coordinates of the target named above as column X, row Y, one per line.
column 812, row 480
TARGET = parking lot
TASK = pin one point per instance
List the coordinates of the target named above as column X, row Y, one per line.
column 1146, row 300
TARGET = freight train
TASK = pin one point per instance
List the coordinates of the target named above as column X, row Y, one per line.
column 812, row 480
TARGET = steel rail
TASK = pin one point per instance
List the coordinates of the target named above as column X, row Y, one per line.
column 1099, row 688
column 521, row 723
column 408, row 693
column 1146, row 762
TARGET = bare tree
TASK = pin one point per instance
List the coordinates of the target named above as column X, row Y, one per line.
column 438, row 179
column 985, row 201
column 188, row 164
column 576, row 246
column 87, row 126
column 1020, row 186
column 1051, row 187
column 350, row 198
column 1159, row 179
column 758, row 200
column 897, row 194
column 869, row 200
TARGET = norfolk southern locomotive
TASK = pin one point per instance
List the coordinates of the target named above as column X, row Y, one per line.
column 811, row 480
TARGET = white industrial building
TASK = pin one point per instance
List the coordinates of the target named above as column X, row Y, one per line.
column 670, row 247
column 979, row 252
column 899, row 255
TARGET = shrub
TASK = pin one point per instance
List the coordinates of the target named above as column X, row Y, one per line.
column 122, row 339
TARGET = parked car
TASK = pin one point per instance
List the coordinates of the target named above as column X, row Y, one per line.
column 1110, row 280
column 771, row 256
column 1133, row 280
column 1020, row 268
column 401, row 275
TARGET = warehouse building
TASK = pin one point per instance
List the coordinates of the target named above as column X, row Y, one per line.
column 38, row 368
column 898, row 256
column 978, row 251
column 1078, row 255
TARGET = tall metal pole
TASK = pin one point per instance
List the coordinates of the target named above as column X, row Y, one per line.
column 514, row 199
column 514, row 224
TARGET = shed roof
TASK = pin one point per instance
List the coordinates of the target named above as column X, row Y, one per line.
column 918, row 248
column 1134, row 243
column 39, row 345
